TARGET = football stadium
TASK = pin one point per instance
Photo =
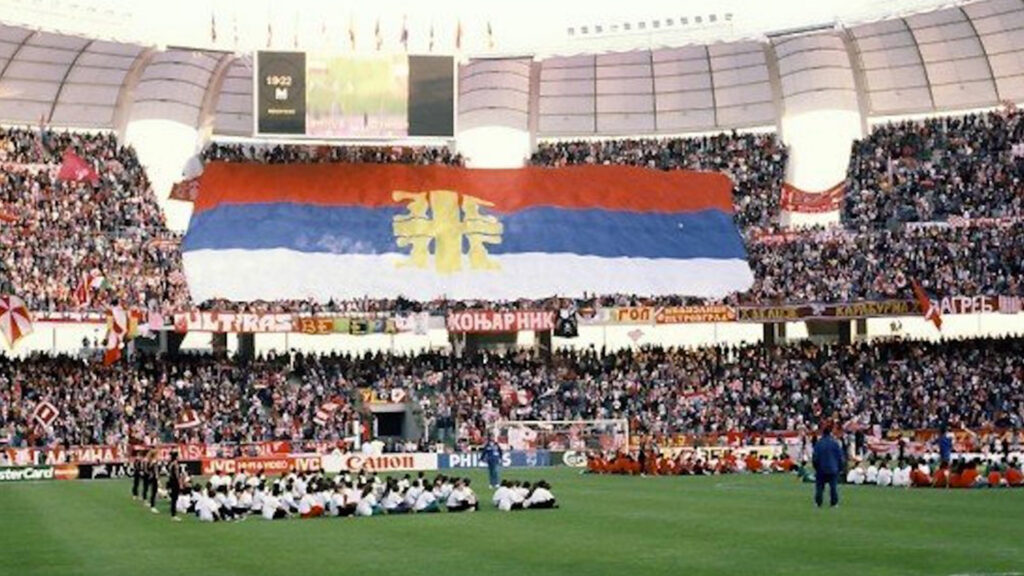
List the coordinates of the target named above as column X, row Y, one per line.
column 661, row 287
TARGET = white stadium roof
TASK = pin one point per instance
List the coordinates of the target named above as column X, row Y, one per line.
column 954, row 57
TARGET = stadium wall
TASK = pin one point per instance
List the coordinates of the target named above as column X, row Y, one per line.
column 67, row 337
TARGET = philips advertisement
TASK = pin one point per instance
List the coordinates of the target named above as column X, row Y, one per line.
column 513, row 459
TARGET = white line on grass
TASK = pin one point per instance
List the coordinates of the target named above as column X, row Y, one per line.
column 988, row 574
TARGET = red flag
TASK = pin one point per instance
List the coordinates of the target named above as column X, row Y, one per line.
column 45, row 413
column 187, row 419
column 925, row 304
column 324, row 412
column 75, row 169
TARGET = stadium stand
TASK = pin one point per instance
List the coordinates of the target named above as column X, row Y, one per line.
column 662, row 392
column 931, row 170
column 362, row 259
column 841, row 265
column 63, row 229
column 299, row 154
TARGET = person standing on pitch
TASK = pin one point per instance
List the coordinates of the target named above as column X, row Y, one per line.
column 492, row 456
column 945, row 442
column 174, row 485
column 151, row 479
column 828, row 463
column 136, row 475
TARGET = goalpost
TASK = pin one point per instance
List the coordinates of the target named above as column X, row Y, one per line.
column 577, row 435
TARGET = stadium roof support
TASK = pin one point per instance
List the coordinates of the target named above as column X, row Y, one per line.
column 962, row 57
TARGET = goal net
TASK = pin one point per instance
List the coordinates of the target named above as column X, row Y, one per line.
column 577, row 435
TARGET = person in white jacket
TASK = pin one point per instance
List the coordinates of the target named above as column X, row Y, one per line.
column 884, row 475
column 855, row 475
column 273, row 508
column 540, row 497
column 367, row 503
column 462, row 498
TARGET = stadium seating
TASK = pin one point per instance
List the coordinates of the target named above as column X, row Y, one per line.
column 663, row 392
column 61, row 229
column 930, row 170
column 295, row 153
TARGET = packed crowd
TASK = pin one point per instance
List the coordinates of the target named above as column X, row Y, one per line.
column 929, row 170
column 843, row 266
column 912, row 171
column 303, row 154
column 755, row 162
column 61, row 230
column 662, row 392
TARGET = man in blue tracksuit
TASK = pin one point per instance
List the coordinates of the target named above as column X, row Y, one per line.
column 945, row 446
column 492, row 456
column 829, row 462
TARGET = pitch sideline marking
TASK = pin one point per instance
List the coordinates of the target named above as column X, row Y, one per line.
column 988, row 574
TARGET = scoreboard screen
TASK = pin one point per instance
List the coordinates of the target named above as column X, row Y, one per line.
column 281, row 93
column 373, row 96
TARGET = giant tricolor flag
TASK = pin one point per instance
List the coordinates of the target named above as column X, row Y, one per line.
column 262, row 231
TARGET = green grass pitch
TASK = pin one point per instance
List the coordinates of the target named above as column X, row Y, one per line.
column 607, row 525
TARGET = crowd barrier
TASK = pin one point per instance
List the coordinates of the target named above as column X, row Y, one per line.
column 487, row 321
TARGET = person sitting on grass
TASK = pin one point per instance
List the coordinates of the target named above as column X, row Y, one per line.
column 224, row 502
column 208, row 509
column 1014, row 476
column 245, row 496
column 368, row 503
column 502, row 492
column 919, row 476
column 871, row 474
column 184, row 503
column 273, row 507
column 995, row 478
column 427, row 500
column 413, row 493
column 901, row 475
column 856, row 475
column 344, row 500
column 446, row 488
column 258, row 492
column 540, row 497
column 462, row 498
column 512, row 498
column 884, row 476
column 308, row 505
column 393, row 501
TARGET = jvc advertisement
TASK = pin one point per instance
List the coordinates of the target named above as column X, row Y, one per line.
column 513, row 459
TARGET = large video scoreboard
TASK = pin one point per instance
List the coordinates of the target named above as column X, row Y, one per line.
column 374, row 96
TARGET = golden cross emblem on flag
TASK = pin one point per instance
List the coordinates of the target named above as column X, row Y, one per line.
column 449, row 222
